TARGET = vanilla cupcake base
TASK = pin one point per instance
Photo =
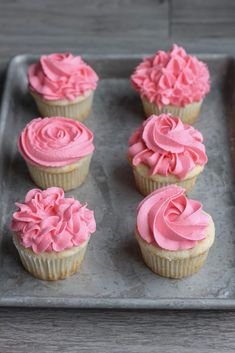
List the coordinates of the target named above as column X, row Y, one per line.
column 51, row 266
column 68, row 177
column 146, row 183
column 188, row 114
column 78, row 109
column 177, row 264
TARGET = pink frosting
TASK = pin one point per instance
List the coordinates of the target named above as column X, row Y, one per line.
column 55, row 142
column 47, row 221
column 172, row 77
column 169, row 219
column 167, row 146
column 61, row 76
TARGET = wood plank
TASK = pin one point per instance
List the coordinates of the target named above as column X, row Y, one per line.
column 199, row 18
column 60, row 26
column 114, row 331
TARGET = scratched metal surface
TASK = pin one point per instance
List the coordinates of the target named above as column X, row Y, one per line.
column 113, row 274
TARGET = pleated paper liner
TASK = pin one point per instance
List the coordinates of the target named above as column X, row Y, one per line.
column 177, row 264
column 146, row 185
column 78, row 109
column 68, row 177
column 51, row 266
column 188, row 114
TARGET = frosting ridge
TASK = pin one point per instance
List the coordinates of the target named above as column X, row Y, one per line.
column 168, row 219
column 47, row 221
column 55, row 141
column 172, row 77
column 61, row 76
column 167, row 146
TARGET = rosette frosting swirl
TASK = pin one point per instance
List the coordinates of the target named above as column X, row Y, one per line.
column 55, row 142
column 172, row 77
column 61, row 76
column 47, row 221
column 169, row 219
column 167, row 146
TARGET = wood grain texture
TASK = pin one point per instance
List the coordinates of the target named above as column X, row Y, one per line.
column 111, row 27
column 51, row 25
column 112, row 331
column 199, row 18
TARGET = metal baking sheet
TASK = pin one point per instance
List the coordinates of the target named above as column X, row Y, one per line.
column 113, row 274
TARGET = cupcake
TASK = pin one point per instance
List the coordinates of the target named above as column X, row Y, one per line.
column 62, row 85
column 51, row 233
column 57, row 151
column 173, row 232
column 165, row 151
column 172, row 82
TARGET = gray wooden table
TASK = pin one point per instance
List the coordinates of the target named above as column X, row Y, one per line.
column 109, row 27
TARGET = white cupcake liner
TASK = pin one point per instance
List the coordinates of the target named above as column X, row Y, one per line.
column 188, row 114
column 78, row 109
column 146, row 185
column 171, row 267
column 68, row 178
column 175, row 268
column 51, row 266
